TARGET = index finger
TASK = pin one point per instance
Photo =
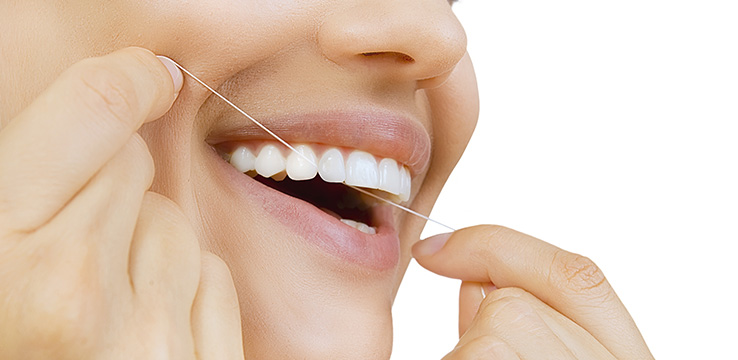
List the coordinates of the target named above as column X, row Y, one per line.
column 569, row 283
column 54, row 146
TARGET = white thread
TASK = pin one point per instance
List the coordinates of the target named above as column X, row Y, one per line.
column 285, row 143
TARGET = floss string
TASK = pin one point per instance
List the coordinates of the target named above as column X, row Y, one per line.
column 310, row 161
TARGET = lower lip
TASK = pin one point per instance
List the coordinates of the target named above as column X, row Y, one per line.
column 380, row 251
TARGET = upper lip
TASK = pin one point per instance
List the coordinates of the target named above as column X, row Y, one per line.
column 380, row 132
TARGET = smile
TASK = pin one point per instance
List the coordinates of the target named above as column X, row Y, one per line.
column 334, row 165
column 306, row 191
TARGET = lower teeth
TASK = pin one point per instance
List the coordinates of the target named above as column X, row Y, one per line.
column 360, row 226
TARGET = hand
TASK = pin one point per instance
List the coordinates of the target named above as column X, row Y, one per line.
column 545, row 303
column 92, row 265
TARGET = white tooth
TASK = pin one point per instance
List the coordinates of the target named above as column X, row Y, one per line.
column 298, row 168
column 331, row 167
column 360, row 226
column 270, row 161
column 405, row 184
column 242, row 159
column 389, row 176
column 366, row 228
column 361, row 170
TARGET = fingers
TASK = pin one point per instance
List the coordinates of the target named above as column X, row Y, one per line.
column 470, row 298
column 164, row 270
column 52, row 148
column 99, row 222
column 567, row 282
column 216, row 316
column 518, row 324
column 577, row 340
column 165, row 254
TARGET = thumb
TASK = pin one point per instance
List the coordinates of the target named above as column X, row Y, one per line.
column 570, row 283
column 471, row 254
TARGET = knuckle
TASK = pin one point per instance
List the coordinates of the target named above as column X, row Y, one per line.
column 168, row 209
column 575, row 273
column 215, row 264
column 172, row 228
column 107, row 92
column 215, row 270
column 171, row 221
column 487, row 236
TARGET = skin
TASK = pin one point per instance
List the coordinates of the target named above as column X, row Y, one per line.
column 116, row 240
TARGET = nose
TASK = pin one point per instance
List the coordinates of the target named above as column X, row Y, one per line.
column 417, row 40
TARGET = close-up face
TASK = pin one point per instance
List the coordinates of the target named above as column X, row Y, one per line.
column 380, row 93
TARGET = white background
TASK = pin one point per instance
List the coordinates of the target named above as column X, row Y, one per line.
column 608, row 128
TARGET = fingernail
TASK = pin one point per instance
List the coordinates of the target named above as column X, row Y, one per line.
column 432, row 244
column 487, row 288
column 177, row 77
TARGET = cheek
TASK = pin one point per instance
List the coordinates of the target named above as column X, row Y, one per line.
column 455, row 107
column 455, row 110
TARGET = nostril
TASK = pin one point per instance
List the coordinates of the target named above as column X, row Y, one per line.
column 393, row 56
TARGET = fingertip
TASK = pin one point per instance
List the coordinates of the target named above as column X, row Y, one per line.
column 161, row 88
column 174, row 72
column 430, row 245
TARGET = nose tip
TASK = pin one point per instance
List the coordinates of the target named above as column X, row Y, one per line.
column 412, row 39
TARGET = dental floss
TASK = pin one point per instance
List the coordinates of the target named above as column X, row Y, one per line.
column 285, row 143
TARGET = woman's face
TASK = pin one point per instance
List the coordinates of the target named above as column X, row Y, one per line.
column 385, row 77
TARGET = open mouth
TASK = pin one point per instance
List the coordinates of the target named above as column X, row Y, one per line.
column 319, row 174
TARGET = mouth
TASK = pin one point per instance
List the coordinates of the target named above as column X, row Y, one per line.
column 307, row 192
column 317, row 175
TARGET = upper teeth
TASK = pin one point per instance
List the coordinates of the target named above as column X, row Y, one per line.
column 359, row 168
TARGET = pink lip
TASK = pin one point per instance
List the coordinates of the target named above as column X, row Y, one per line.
column 379, row 252
column 377, row 131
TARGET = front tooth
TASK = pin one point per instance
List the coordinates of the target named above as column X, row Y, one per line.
column 331, row 167
column 405, row 184
column 298, row 168
column 242, row 159
column 389, row 176
column 270, row 161
column 361, row 170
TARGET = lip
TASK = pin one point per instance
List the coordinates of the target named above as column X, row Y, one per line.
column 380, row 132
column 380, row 251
